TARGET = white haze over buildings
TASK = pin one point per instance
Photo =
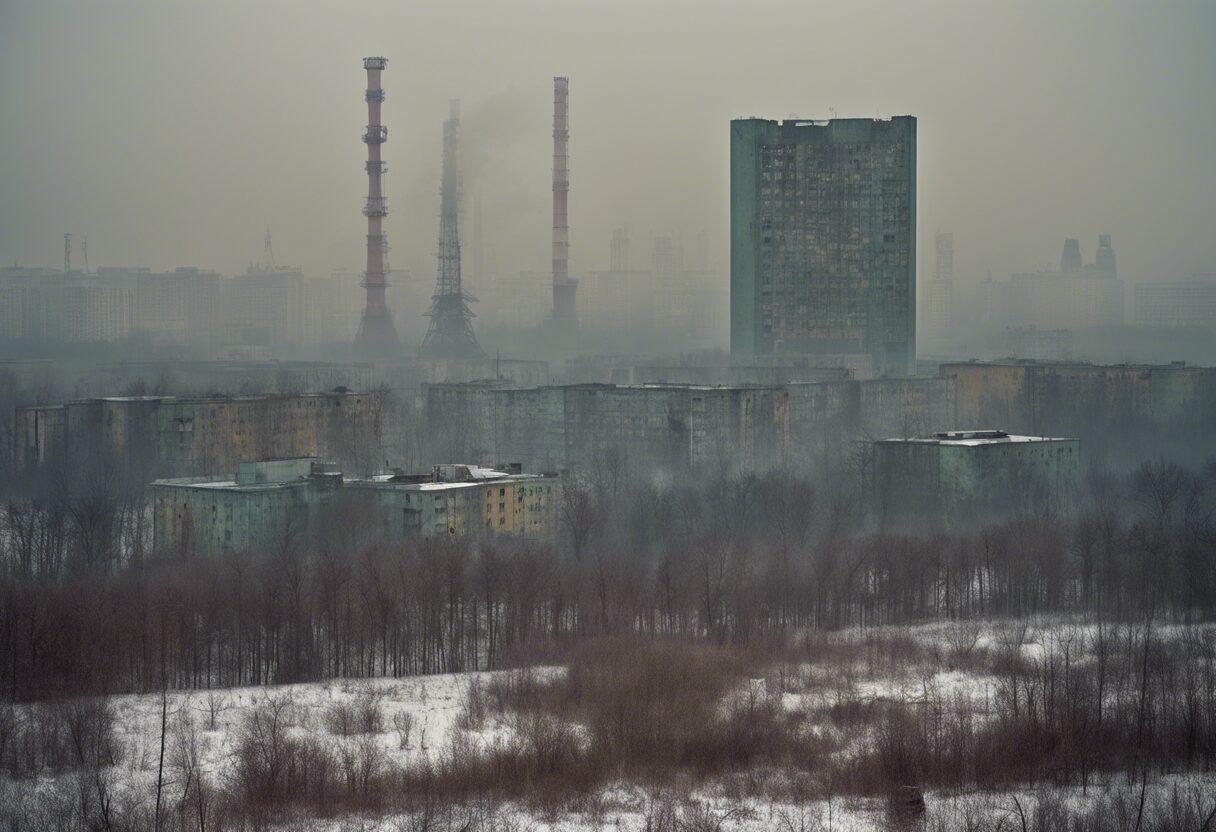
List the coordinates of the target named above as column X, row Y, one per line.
column 174, row 133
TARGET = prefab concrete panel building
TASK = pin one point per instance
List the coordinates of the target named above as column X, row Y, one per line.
column 970, row 473
column 278, row 503
column 823, row 240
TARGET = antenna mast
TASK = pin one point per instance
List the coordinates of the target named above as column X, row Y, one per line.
column 377, row 336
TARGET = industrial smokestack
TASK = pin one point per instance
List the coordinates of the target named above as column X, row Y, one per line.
column 377, row 336
column 564, row 310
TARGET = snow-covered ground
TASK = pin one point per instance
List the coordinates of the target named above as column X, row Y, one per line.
column 433, row 705
column 415, row 720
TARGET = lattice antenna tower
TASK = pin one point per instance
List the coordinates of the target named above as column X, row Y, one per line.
column 450, row 334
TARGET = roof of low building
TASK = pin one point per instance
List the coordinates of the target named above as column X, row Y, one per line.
column 973, row 438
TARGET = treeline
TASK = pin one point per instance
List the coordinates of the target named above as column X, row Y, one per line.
column 734, row 560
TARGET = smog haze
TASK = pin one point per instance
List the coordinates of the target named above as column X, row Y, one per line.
column 174, row 134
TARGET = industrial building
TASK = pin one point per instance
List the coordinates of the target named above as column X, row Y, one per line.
column 274, row 504
column 823, row 239
column 958, row 472
column 151, row 436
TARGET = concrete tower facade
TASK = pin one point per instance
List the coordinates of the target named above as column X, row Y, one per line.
column 823, row 241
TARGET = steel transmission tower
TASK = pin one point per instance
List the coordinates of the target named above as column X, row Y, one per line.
column 450, row 334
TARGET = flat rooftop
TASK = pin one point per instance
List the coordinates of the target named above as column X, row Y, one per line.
column 477, row 475
column 389, row 485
column 974, row 438
column 205, row 484
column 324, row 394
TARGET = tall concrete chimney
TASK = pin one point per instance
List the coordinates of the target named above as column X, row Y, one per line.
column 377, row 338
column 565, row 312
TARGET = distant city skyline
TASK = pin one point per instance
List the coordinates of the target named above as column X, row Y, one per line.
column 166, row 149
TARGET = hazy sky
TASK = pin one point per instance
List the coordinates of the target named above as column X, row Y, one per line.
column 175, row 132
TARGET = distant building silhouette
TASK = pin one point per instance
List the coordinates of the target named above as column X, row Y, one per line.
column 937, row 302
column 1187, row 303
column 1104, row 260
column 1070, row 259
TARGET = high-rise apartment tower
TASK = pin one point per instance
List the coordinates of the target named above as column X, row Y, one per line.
column 823, row 240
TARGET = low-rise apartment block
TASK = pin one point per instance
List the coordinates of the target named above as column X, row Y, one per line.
column 279, row 503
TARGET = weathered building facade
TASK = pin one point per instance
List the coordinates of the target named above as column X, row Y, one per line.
column 823, row 239
column 1127, row 412
column 972, row 472
column 151, row 436
column 275, row 504
column 672, row 428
